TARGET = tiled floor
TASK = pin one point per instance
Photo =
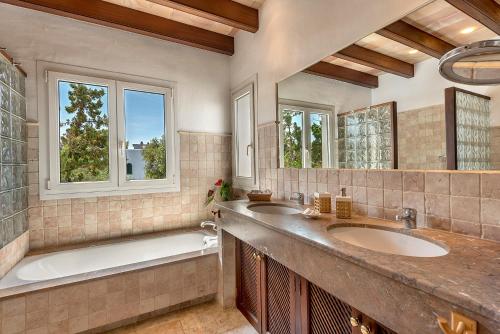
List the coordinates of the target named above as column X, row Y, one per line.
column 207, row 318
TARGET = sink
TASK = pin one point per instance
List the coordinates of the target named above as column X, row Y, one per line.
column 274, row 209
column 387, row 241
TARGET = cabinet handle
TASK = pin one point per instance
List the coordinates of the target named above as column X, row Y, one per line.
column 354, row 321
column 365, row 329
column 254, row 256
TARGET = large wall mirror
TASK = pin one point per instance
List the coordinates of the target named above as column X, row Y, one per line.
column 381, row 102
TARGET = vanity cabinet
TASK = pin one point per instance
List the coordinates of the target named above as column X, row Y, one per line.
column 276, row 300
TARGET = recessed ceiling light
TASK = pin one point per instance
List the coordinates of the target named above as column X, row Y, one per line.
column 467, row 30
column 412, row 51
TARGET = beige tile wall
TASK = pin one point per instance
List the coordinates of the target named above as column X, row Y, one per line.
column 88, row 305
column 495, row 147
column 13, row 253
column 460, row 202
column 422, row 138
column 204, row 159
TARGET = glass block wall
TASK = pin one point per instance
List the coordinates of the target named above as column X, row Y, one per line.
column 473, row 131
column 13, row 157
column 365, row 138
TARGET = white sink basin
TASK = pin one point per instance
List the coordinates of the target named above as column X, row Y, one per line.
column 273, row 209
column 387, row 242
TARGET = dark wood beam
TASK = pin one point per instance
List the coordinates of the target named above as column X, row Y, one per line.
column 227, row 12
column 112, row 15
column 360, row 55
column 345, row 74
column 413, row 37
column 486, row 12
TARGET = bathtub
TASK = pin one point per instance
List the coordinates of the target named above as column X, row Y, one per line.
column 106, row 258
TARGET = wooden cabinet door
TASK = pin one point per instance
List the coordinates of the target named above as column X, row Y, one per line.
column 248, row 284
column 326, row 313
column 280, row 303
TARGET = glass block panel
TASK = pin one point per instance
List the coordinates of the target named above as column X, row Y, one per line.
column 5, row 124
column 369, row 137
column 473, row 135
column 4, row 97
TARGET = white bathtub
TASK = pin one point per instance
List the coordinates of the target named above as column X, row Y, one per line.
column 96, row 258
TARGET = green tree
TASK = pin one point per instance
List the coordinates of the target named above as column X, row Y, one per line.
column 292, row 140
column 154, row 155
column 84, row 146
column 316, row 145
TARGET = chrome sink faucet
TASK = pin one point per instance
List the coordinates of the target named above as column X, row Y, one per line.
column 409, row 218
column 298, row 198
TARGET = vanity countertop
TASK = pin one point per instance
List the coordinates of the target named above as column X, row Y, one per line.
column 468, row 276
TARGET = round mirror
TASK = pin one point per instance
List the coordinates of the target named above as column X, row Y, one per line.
column 474, row 64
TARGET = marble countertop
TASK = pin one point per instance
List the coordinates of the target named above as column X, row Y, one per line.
column 468, row 276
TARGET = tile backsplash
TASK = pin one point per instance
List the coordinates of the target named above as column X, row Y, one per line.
column 13, row 153
column 204, row 159
column 460, row 202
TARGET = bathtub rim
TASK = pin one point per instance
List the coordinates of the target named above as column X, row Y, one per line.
column 31, row 287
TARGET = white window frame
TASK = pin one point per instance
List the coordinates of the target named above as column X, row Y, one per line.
column 248, row 87
column 307, row 108
column 54, row 134
column 169, row 136
column 50, row 187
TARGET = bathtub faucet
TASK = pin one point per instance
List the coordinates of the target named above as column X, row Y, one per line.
column 209, row 223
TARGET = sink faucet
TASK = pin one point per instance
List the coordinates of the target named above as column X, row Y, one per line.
column 297, row 197
column 209, row 223
column 409, row 218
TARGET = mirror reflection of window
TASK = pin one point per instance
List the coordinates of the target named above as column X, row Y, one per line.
column 305, row 136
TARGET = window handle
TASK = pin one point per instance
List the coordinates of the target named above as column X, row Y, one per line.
column 249, row 146
column 122, row 148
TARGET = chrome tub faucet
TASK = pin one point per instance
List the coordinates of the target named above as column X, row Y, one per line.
column 298, row 198
column 409, row 218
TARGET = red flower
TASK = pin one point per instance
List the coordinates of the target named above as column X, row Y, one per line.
column 218, row 183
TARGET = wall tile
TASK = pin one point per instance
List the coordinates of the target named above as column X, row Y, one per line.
column 393, row 199
column 490, row 211
column 375, row 197
column 465, row 184
column 413, row 181
column 465, row 208
column 414, row 200
column 374, row 179
column 490, row 186
column 393, row 180
column 437, row 205
column 437, row 183
column 466, row 227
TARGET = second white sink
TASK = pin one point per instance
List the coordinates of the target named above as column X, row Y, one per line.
column 273, row 209
column 387, row 241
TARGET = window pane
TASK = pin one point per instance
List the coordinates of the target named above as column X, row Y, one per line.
column 292, row 138
column 319, row 139
column 145, row 135
column 83, row 132
column 243, row 114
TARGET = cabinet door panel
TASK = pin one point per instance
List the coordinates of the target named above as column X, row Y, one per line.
column 247, row 280
column 280, row 299
column 327, row 314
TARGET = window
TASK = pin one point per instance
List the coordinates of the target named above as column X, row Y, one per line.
column 305, row 135
column 244, row 171
column 109, row 136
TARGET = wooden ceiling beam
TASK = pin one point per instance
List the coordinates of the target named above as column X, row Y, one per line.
column 415, row 38
column 486, row 12
column 112, row 15
column 345, row 74
column 360, row 55
column 228, row 12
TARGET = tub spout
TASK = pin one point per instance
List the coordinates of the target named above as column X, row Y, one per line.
column 209, row 223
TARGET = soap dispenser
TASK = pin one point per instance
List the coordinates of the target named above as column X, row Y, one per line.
column 343, row 205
